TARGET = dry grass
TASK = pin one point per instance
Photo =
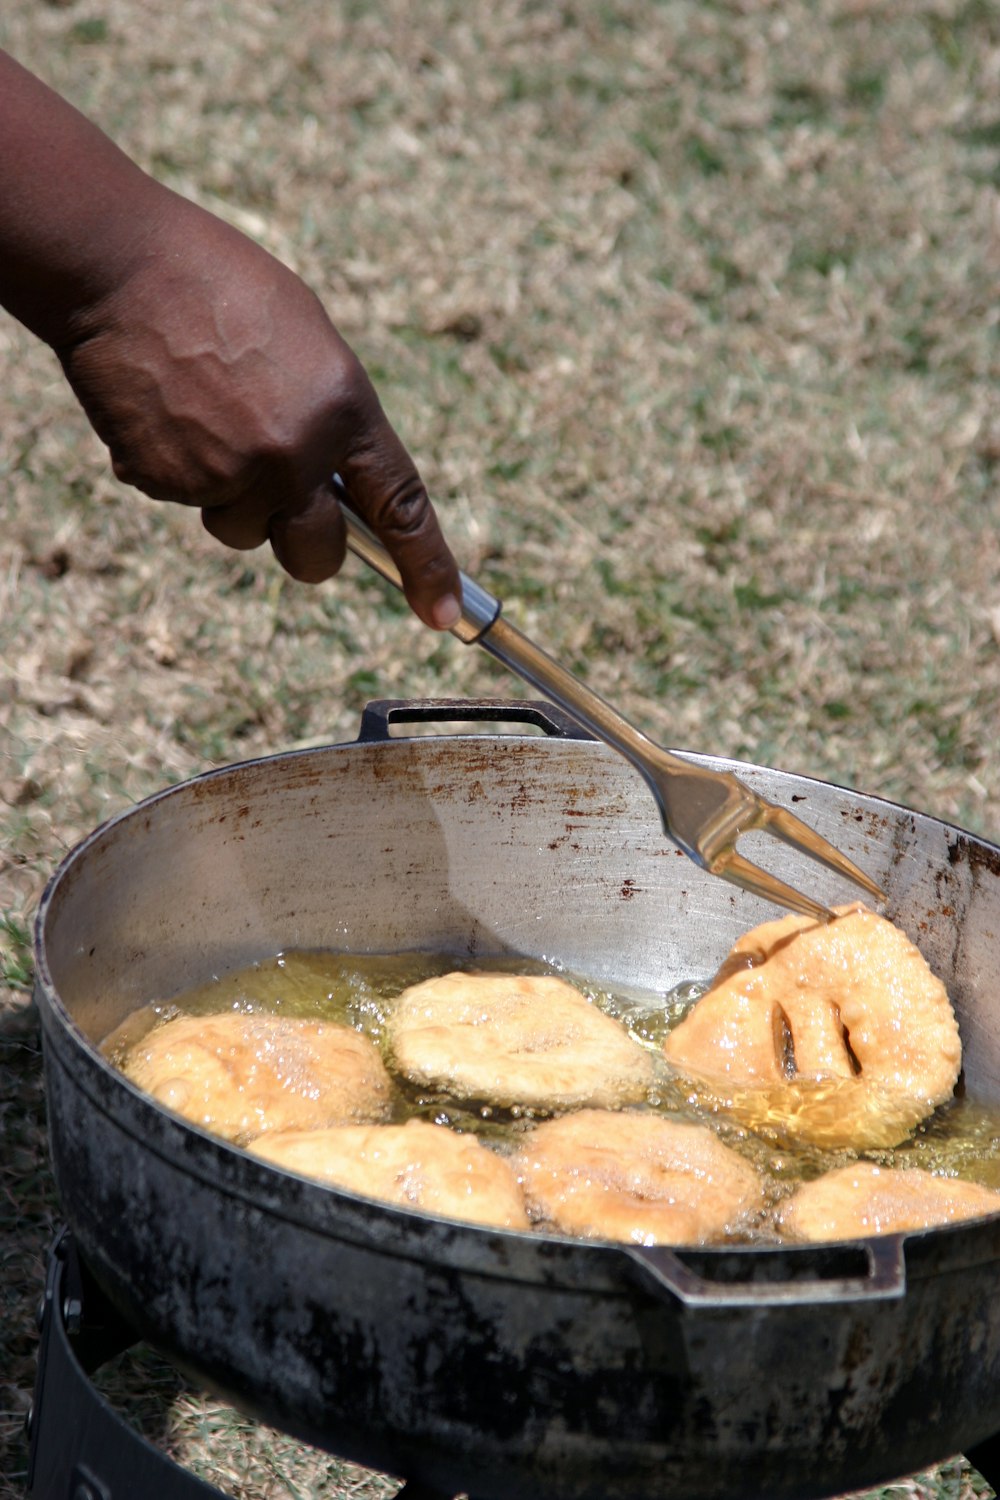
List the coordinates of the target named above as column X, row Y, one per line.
column 688, row 312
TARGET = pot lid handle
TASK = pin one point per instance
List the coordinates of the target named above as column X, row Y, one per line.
column 872, row 1270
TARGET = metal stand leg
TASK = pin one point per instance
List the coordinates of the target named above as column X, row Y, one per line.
column 80, row 1448
column 986, row 1458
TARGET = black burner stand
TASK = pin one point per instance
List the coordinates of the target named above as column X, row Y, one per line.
column 79, row 1446
column 81, row 1449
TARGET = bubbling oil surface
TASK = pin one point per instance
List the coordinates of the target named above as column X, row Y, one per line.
column 961, row 1138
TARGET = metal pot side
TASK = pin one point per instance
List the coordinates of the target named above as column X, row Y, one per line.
column 518, row 1367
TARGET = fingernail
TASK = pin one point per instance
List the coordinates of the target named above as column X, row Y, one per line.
column 446, row 612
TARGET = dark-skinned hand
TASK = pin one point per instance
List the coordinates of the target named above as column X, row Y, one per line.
column 210, row 370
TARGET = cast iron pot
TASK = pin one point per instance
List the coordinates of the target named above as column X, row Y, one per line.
column 509, row 1365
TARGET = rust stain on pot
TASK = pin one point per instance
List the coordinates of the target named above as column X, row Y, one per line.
column 877, row 822
column 980, row 858
column 943, row 879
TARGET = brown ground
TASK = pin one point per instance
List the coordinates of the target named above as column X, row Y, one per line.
column 688, row 312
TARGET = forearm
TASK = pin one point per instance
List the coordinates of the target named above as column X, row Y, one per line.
column 212, row 373
column 74, row 210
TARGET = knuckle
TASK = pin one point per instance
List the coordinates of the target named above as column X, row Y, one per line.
column 351, row 396
column 405, row 510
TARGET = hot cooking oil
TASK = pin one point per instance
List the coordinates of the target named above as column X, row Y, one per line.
column 961, row 1138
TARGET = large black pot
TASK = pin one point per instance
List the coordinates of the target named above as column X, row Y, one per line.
column 511, row 1365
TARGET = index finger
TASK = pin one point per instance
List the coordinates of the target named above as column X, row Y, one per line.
column 387, row 492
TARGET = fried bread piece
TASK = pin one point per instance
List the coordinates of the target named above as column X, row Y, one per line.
column 636, row 1177
column 240, row 1075
column 529, row 1040
column 862, row 1199
column 416, row 1165
column 851, row 1002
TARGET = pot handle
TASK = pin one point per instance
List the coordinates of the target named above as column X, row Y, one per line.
column 377, row 716
column 872, row 1270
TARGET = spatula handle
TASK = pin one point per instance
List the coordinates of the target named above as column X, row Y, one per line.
column 480, row 614
column 480, row 610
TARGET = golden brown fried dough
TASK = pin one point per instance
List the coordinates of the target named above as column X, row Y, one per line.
column 239, row 1075
column 853, row 1202
column 523, row 1040
column 636, row 1177
column 850, row 1002
column 416, row 1165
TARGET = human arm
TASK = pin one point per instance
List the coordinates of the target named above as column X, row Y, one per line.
column 208, row 368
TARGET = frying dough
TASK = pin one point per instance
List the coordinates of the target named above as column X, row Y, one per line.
column 529, row 1040
column 240, row 1075
column 416, row 1165
column 636, row 1177
column 853, row 1202
column 851, row 1005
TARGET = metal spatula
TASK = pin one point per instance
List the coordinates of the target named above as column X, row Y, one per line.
column 703, row 811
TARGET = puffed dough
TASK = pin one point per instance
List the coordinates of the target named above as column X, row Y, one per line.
column 529, row 1040
column 850, row 1004
column 853, row 1202
column 240, row 1075
column 636, row 1177
column 416, row 1165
